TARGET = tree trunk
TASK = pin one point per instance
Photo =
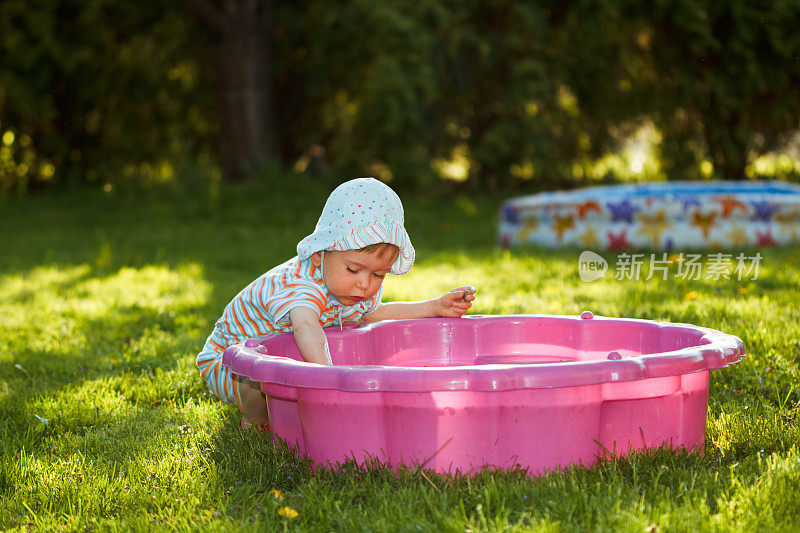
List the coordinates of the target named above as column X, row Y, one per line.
column 240, row 38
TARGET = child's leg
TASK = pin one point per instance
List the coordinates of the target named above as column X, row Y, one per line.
column 254, row 404
column 223, row 383
column 231, row 388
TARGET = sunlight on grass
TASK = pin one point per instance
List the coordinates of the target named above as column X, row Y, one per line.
column 56, row 309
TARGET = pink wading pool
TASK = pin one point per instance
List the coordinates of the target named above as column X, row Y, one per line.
column 537, row 391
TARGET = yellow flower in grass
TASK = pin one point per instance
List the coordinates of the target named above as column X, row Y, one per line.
column 690, row 296
column 288, row 512
column 277, row 494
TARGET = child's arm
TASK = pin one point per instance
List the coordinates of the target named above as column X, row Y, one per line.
column 309, row 336
column 453, row 304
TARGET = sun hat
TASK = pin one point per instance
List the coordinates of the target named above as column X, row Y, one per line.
column 358, row 213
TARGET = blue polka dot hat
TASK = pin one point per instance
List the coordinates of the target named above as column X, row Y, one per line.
column 358, row 213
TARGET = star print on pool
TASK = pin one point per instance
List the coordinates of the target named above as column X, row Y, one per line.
column 562, row 224
column 618, row 241
column 704, row 221
column 623, row 210
column 765, row 239
column 729, row 205
column 585, row 207
column 788, row 223
column 510, row 214
column 763, row 210
column 653, row 226
column 688, row 201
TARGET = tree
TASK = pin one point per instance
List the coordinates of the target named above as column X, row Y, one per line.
column 240, row 48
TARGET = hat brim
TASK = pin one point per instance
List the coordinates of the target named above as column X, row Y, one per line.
column 361, row 237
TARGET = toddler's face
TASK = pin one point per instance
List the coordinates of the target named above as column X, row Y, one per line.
column 353, row 276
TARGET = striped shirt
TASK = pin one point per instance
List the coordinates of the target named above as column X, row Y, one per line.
column 263, row 306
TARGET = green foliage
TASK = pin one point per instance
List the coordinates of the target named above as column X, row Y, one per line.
column 507, row 94
column 405, row 88
column 370, row 94
column 724, row 80
column 499, row 95
column 96, row 88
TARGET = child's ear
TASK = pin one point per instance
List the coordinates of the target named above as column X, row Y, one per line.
column 316, row 259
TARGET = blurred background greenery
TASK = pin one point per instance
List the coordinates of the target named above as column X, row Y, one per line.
column 479, row 95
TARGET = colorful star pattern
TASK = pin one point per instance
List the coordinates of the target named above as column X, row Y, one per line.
column 585, row 207
column 763, row 210
column 510, row 214
column 729, row 205
column 738, row 236
column 618, row 241
column 704, row 221
column 623, row 210
column 529, row 226
column 688, row 201
column 788, row 218
column 789, row 224
column 681, row 219
column 562, row 224
column 765, row 239
column 589, row 238
column 653, row 226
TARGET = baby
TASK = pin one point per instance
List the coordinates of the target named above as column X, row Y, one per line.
column 336, row 278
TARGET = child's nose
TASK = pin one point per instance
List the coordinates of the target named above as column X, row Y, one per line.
column 362, row 282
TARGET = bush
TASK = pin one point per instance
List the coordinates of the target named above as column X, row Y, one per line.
column 494, row 94
column 95, row 88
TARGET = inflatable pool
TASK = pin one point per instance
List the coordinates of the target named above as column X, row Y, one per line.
column 456, row 395
column 669, row 215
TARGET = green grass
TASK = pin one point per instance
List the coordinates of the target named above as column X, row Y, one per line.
column 105, row 424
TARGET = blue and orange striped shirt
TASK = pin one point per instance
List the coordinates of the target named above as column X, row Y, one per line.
column 263, row 306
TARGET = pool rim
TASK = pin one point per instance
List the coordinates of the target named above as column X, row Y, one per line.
column 773, row 190
column 713, row 350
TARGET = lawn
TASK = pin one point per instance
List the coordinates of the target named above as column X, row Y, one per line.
column 105, row 424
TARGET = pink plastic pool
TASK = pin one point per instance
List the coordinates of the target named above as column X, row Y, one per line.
column 537, row 391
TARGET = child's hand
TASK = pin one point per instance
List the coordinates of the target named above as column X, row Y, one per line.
column 456, row 302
